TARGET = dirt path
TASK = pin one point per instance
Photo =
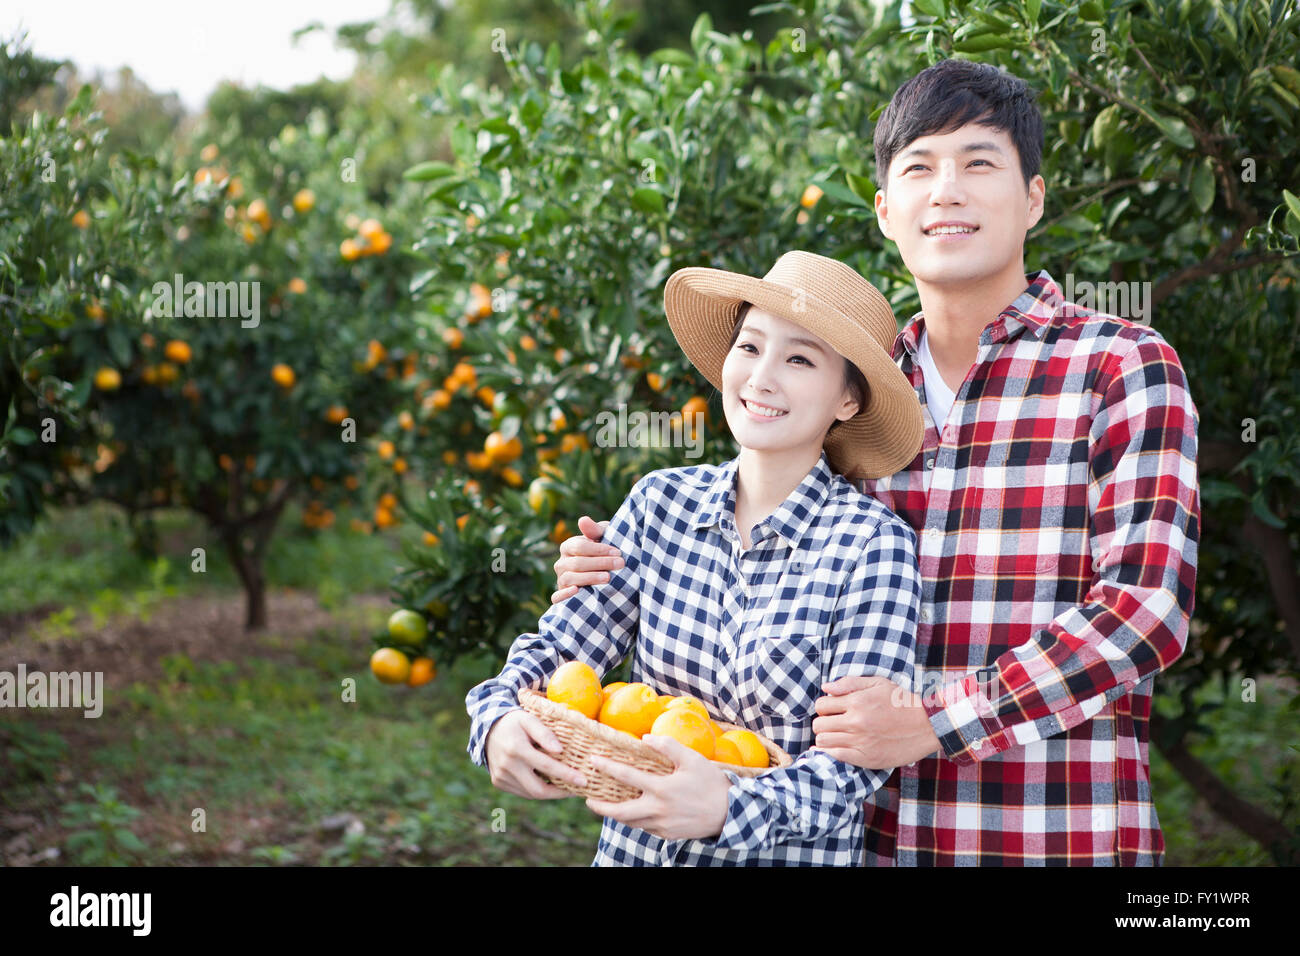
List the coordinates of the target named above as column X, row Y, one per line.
column 205, row 627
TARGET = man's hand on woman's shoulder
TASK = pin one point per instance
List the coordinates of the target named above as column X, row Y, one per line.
column 583, row 560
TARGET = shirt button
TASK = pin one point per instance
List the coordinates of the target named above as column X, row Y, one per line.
column 927, row 616
column 977, row 745
column 932, row 533
column 929, row 464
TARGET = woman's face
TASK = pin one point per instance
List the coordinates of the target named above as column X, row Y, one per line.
column 782, row 386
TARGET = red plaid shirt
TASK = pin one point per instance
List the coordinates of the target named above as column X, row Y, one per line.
column 1057, row 515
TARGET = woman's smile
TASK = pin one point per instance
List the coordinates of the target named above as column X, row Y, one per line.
column 763, row 413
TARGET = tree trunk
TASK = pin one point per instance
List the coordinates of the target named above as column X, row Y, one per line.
column 144, row 534
column 246, row 546
column 248, row 565
column 1269, row 832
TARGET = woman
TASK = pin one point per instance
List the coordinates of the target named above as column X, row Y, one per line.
column 748, row 584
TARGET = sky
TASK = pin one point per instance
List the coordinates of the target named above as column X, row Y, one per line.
column 188, row 48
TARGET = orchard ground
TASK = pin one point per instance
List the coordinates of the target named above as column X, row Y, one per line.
column 251, row 728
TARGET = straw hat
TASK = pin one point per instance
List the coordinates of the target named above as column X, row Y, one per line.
column 829, row 299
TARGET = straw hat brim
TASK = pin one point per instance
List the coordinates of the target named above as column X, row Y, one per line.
column 701, row 306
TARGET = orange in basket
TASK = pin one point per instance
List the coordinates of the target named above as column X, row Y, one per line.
column 631, row 709
column 576, row 685
column 582, row 737
column 687, row 727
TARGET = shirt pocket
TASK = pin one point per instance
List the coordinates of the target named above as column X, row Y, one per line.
column 780, row 677
column 1011, row 533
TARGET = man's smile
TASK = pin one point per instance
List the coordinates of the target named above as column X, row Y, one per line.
column 950, row 229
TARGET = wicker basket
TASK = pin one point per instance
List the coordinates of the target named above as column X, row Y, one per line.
column 582, row 737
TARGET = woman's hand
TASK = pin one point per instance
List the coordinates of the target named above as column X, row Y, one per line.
column 687, row 804
column 514, row 757
column 584, row 560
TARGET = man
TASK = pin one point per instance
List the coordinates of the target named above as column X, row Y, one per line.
column 1056, row 506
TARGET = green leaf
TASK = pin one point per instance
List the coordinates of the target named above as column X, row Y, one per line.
column 1264, row 514
column 703, row 25
column 531, row 111
column 462, row 143
column 1116, row 211
column 1091, row 11
column 1217, row 490
column 508, row 240
column 22, row 436
column 1287, row 97
column 1288, row 77
column 130, row 841
column 1292, row 202
column 1104, row 126
column 648, row 200
column 979, row 44
column 1031, row 10
column 839, row 191
column 1175, row 129
column 1203, row 185
column 672, row 57
column 931, row 8
column 423, row 172
column 862, row 187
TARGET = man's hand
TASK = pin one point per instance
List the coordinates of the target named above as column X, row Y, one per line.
column 688, row 804
column 514, row 757
column 584, row 560
column 873, row 723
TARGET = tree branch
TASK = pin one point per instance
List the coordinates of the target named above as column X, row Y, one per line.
column 1085, row 201
column 1210, row 265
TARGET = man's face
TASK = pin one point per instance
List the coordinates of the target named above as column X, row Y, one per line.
column 957, row 206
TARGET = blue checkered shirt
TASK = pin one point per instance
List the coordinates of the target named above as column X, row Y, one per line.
column 828, row 588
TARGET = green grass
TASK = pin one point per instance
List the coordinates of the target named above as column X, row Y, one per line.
column 273, row 739
column 74, row 556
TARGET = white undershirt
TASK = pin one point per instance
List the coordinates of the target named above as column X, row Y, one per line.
column 938, row 396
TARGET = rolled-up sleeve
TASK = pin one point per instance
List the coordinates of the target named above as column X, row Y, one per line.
column 1144, row 511
column 597, row 626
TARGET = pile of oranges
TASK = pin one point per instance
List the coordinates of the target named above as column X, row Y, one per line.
column 393, row 665
column 637, row 710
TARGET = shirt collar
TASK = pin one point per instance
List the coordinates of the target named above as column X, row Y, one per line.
column 791, row 518
column 1032, row 310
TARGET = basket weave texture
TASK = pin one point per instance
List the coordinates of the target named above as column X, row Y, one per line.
column 582, row 737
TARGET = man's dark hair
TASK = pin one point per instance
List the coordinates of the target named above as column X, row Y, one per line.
column 854, row 380
column 951, row 94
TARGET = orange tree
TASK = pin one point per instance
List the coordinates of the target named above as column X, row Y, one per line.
column 563, row 202
column 245, row 357
column 77, row 232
